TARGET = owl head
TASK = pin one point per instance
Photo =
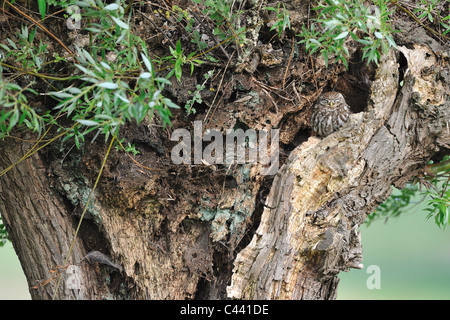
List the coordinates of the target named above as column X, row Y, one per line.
column 332, row 99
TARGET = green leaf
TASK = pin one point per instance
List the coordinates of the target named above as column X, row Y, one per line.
column 11, row 43
column 391, row 41
column 342, row 35
column 77, row 142
column 120, row 23
column 105, row 65
column 60, row 94
column 145, row 75
column 171, row 73
column 108, row 85
column 325, row 57
column 170, row 104
column 94, row 30
column 366, row 41
column 86, row 71
column 379, row 35
column 165, row 116
column 344, row 61
column 147, row 62
column 163, row 80
column 88, row 123
column 13, row 120
column 354, row 36
column 22, row 116
column 112, row 7
column 5, row 115
column 122, row 36
column 88, row 57
column 42, row 4
column 121, row 98
column 178, row 70
column 179, row 51
column 74, row 90
column 4, row 47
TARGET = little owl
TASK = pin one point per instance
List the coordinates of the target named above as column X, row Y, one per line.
column 330, row 113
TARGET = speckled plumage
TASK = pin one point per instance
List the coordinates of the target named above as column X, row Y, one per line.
column 330, row 113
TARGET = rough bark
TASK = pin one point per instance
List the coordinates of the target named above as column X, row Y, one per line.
column 42, row 228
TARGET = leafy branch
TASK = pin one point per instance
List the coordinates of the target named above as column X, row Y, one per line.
column 436, row 196
column 429, row 6
column 340, row 21
column 105, row 93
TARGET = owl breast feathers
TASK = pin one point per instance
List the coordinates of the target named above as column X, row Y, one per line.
column 329, row 114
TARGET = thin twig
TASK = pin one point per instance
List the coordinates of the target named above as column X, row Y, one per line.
column 271, row 99
column 289, row 61
column 156, row 27
column 264, row 86
column 314, row 72
column 210, row 33
column 296, row 92
column 39, row 75
column 85, row 209
column 218, row 89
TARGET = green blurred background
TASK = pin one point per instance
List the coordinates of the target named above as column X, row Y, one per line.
column 413, row 255
column 13, row 285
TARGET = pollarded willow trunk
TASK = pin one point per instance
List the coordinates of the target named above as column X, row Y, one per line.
column 183, row 232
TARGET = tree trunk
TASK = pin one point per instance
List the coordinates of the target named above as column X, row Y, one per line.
column 198, row 231
column 41, row 228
